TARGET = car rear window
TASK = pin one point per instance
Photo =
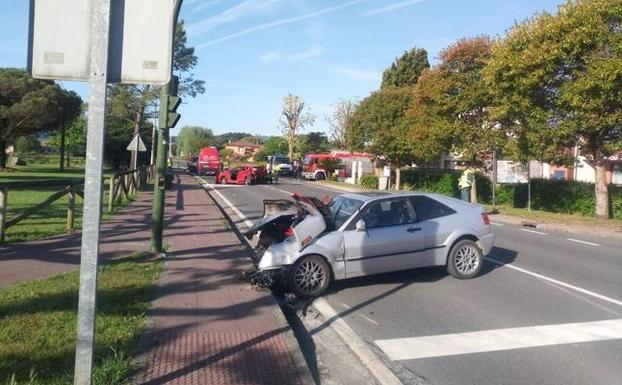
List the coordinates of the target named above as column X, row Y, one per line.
column 428, row 208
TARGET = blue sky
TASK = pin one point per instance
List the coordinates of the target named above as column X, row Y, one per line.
column 254, row 52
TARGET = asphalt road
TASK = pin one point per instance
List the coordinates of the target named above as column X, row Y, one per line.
column 547, row 308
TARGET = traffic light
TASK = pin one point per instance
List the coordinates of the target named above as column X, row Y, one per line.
column 172, row 116
column 169, row 104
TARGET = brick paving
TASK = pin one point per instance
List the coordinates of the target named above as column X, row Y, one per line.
column 208, row 326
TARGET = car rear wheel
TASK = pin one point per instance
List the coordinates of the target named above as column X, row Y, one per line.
column 465, row 260
column 320, row 176
column 309, row 277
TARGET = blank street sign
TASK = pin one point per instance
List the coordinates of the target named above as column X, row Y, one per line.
column 141, row 40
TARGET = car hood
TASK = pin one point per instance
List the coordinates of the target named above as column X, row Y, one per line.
column 307, row 215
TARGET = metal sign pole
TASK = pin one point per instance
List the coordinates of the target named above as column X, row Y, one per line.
column 93, row 184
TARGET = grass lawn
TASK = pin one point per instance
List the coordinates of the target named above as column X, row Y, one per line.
column 51, row 220
column 38, row 324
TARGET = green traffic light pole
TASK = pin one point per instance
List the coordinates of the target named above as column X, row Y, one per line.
column 159, row 188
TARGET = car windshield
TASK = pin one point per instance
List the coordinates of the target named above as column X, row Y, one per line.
column 342, row 208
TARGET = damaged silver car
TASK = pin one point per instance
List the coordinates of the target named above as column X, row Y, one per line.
column 303, row 244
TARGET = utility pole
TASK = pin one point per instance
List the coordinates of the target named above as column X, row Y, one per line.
column 93, row 187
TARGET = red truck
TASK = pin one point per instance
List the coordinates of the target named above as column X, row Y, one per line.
column 208, row 162
column 313, row 169
column 243, row 175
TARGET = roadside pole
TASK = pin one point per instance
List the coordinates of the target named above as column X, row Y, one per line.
column 159, row 186
column 165, row 122
column 93, row 187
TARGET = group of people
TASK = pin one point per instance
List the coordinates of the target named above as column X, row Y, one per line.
column 276, row 169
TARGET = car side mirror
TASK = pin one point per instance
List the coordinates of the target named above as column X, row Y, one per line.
column 361, row 225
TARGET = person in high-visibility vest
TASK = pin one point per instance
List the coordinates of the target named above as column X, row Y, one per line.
column 465, row 183
column 276, row 170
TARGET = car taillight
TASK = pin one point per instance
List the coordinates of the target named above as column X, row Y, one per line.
column 485, row 219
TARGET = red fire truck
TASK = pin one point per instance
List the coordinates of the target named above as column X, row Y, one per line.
column 208, row 162
column 313, row 164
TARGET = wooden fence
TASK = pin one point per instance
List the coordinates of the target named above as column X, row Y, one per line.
column 127, row 183
column 70, row 187
column 122, row 184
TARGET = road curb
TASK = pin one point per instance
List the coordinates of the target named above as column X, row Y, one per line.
column 373, row 363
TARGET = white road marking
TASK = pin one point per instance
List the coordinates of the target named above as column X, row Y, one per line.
column 231, row 206
column 370, row 360
column 557, row 282
column 534, row 231
column 346, row 306
column 368, row 319
column 583, row 242
column 496, row 224
column 500, row 339
column 278, row 189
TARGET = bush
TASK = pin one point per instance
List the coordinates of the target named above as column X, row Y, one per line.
column 438, row 181
column 27, row 145
column 369, row 181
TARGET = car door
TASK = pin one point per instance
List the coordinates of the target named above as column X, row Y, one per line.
column 437, row 223
column 389, row 242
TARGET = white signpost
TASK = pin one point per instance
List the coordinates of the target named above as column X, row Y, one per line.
column 99, row 41
column 140, row 45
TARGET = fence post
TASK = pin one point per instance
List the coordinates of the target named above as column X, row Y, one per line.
column 4, row 192
column 71, row 207
column 111, row 195
column 130, row 177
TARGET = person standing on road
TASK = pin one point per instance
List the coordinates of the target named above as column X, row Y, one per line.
column 465, row 182
column 276, row 170
column 299, row 170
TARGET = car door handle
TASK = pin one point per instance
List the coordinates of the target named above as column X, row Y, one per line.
column 413, row 229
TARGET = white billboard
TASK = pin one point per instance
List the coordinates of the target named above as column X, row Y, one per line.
column 511, row 172
column 141, row 40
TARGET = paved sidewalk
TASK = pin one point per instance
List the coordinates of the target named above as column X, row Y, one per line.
column 207, row 325
column 127, row 232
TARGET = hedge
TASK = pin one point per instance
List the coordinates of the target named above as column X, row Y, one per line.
column 569, row 197
column 369, row 181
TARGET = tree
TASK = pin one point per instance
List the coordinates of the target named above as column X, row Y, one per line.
column 338, row 120
column 381, row 126
column 451, row 106
column 223, row 139
column 293, row 120
column 556, row 82
column 27, row 106
column 192, row 139
column 72, row 106
column 225, row 155
column 27, row 145
column 405, row 70
column 71, row 139
column 275, row 145
column 313, row 143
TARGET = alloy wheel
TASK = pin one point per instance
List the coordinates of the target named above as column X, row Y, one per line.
column 309, row 277
column 467, row 259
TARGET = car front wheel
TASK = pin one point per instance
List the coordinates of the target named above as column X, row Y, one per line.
column 309, row 277
column 465, row 260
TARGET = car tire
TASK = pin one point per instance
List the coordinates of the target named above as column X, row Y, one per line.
column 223, row 180
column 320, row 176
column 309, row 277
column 248, row 181
column 465, row 259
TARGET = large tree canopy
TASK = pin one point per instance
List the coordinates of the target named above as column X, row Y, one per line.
column 28, row 105
column 405, row 70
column 557, row 81
column 380, row 125
column 192, row 139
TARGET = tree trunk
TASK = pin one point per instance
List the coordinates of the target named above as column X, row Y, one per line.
column 68, row 155
column 2, row 153
column 474, row 190
column 61, row 164
column 290, row 149
column 601, row 191
column 398, row 178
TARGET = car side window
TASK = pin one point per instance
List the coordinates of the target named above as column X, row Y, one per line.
column 392, row 212
column 428, row 208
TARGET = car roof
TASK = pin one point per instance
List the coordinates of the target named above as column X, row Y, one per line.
column 377, row 195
